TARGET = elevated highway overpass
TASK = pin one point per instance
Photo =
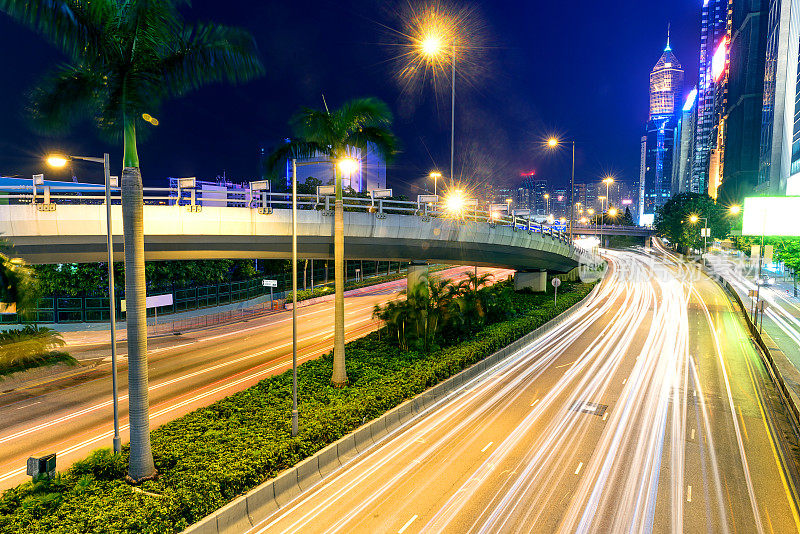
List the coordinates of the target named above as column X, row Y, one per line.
column 71, row 228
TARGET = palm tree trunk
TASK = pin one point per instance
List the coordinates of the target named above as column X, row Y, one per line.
column 141, row 465
column 339, row 378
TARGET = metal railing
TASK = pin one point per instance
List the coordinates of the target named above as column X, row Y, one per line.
column 49, row 197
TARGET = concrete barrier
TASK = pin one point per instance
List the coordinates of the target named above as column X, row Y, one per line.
column 258, row 504
column 308, row 472
column 328, row 459
column 285, row 487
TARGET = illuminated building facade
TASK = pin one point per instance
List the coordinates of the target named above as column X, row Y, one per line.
column 779, row 161
column 744, row 96
column 684, row 144
column 714, row 39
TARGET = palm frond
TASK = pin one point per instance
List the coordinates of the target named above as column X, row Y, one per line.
column 365, row 112
column 381, row 140
column 208, row 53
column 315, row 126
column 73, row 26
column 67, row 94
column 295, row 149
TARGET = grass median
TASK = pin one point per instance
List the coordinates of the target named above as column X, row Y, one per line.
column 208, row 457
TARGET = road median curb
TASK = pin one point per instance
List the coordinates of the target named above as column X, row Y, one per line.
column 236, row 517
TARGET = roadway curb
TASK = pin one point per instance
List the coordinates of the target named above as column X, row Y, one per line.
column 789, row 397
column 259, row 503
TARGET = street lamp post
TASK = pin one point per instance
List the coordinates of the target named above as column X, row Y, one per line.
column 430, row 48
column 435, row 175
column 547, row 201
column 60, row 161
column 553, row 143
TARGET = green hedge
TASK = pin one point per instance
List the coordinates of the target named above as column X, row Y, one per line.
column 208, row 457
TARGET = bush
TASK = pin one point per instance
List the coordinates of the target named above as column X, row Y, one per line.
column 30, row 346
column 208, row 457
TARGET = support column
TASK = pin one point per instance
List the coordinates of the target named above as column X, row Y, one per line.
column 533, row 280
column 417, row 275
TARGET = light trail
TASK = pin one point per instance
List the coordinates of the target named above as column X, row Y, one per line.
column 522, row 450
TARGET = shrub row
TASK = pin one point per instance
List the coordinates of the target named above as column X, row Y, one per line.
column 208, row 457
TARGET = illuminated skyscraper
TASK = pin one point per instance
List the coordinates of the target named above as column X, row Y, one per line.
column 666, row 85
column 666, row 95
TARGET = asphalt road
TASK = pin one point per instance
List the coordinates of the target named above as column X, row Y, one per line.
column 647, row 411
column 73, row 416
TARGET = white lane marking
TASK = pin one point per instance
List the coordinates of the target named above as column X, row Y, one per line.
column 624, row 380
column 605, row 416
column 534, row 403
column 693, row 434
column 578, row 470
column 408, row 524
column 28, row 405
column 487, row 446
column 689, row 494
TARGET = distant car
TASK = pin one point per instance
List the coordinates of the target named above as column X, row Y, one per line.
column 764, row 281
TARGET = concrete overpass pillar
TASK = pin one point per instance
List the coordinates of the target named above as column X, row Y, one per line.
column 417, row 275
column 648, row 242
column 534, row 280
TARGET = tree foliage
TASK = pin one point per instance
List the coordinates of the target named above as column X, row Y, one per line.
column 441, row 312
column 125, row 58
column 358, row 123
column 673, row 219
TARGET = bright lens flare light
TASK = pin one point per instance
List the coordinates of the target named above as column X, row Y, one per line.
column 431, row 45
column 454, row 203
column 552, row 142
column 613, row 212
column 693, row 219
column 735, row 210
column 348, row 166
column 56, row 160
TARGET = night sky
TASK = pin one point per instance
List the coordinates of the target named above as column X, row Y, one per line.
column 580, row 71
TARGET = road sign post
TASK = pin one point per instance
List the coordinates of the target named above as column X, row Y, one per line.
column 556, row 282
column 270, row 284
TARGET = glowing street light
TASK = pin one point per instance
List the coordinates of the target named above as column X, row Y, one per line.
column 454, row 203
column 552, row 143
column 431, row 45
column 735, row 210
column 57, row 160
column 348, row 166
column 693, row 219
column 439, row 34
column 613, row 212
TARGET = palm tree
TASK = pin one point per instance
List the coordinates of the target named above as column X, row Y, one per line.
column 124, row 60
column 17, row 284
column 361, row 123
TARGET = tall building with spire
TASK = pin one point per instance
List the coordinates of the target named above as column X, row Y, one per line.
column 666, row 96
column 666, row 85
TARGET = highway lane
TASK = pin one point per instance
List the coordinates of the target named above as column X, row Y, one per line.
column 782, row 316
column 647, row 411
column 74, row 416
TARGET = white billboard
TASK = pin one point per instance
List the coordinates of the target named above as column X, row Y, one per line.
column 771, row 216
